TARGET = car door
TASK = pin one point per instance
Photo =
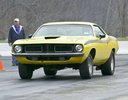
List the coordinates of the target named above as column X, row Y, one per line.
column 101, row 45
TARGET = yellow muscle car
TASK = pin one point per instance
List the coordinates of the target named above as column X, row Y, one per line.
column 59, row 45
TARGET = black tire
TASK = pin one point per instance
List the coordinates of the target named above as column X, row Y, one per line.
column 109, row 67
column 49, row 71
column 25, row 71
column 86, row 68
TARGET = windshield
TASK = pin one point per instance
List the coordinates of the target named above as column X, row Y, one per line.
column 64, row 30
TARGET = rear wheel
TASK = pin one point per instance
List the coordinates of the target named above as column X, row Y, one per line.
column 86, row 68
column 25, row 71
column 49, row 71
column 109, row 67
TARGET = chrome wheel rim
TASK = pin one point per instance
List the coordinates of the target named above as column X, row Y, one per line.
column 90, row 65
column 112, row 64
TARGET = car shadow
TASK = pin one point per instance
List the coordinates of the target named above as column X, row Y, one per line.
column 65, row 78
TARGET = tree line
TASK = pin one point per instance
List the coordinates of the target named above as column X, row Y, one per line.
column 110, row 14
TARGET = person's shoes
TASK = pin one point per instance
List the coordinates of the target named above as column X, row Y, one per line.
column 14, row 65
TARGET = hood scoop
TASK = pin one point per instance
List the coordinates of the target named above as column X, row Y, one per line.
column 51, row 37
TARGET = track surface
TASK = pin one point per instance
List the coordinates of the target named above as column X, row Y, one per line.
column 67, row 85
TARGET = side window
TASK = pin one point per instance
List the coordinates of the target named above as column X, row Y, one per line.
column 98, row 31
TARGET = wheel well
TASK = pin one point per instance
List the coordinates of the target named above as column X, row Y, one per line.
column 113, row 50
column 93, row 53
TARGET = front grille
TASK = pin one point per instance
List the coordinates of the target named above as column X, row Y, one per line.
column 33, row 48
column 48, row 48
column 63, row 48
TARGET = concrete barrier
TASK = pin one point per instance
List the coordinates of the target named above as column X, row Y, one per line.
column 5, row 49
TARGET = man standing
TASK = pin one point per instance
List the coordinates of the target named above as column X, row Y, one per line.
column 15, row 32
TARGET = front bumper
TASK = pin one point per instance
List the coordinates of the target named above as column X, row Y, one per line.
column 41, row 58
column 50, row 54
column 50, row 58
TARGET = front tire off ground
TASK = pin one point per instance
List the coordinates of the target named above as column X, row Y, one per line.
column 25, row 71
column 86, row 68
column 109, row 67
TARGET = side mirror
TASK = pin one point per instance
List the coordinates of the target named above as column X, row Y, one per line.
column 29, row 36
column 102, row 36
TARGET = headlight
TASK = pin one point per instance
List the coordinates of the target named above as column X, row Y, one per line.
column 18, row 49
column 79, row 48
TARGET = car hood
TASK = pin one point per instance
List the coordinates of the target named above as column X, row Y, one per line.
column 56, row 40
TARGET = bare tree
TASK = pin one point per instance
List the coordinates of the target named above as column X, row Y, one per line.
column 123, row 18
column 108, row 12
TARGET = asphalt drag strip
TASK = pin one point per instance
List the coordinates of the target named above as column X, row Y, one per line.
column 67, row 85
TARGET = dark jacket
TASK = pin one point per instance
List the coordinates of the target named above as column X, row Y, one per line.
column 13, row 36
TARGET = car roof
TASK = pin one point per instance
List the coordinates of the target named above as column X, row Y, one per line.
column 70, row 22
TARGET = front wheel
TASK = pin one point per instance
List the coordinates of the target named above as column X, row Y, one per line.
column 25, row 71
column 109, row 67
column 86, row 68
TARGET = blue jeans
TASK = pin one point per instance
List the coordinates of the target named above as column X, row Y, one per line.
column 14, row 61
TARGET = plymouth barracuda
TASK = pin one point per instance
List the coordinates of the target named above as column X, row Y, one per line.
column 58, row 45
